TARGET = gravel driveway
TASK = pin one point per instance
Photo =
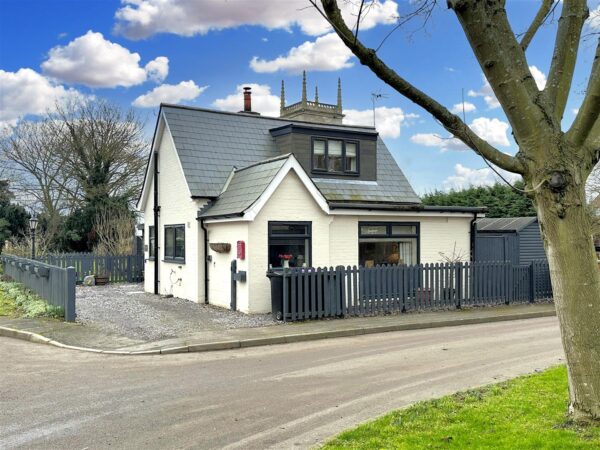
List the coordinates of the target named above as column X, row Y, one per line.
column 127, row 310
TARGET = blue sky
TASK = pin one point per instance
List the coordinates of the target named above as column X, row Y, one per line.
column 199, row 52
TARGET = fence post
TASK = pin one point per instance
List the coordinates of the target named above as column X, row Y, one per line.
column 70, row 300
column 459, row 287
column 532, row 282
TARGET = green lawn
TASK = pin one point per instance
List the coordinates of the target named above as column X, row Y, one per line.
column 524, row 413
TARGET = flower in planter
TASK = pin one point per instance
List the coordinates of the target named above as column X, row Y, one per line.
column 286, row 256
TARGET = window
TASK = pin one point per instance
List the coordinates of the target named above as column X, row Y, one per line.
column 382, row 243
column 175, row 243
column 289, row 241
column 151, row 241
column 335, row 156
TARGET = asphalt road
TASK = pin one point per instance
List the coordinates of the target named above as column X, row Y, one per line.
column 282, row 396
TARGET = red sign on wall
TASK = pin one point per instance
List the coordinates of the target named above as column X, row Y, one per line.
column 241, row 250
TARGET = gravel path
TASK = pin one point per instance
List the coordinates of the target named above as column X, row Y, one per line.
column 127, row 310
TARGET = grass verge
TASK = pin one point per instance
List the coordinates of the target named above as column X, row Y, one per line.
column 524, row 413
column 16, row 301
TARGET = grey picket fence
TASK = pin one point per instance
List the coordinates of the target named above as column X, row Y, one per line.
column 313, row 293
column 54, row 284
column 128, row 268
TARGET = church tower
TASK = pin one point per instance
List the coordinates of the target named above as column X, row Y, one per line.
column 312, row 111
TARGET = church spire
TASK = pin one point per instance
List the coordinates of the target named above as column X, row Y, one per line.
column 316, row 94
column 304, row 87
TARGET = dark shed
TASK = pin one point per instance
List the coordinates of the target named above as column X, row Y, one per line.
column 516, row 239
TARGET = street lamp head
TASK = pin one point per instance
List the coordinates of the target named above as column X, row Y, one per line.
column 33, row 223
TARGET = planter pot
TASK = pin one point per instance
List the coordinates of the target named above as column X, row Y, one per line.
column 285, row 263
column 220, row 247
column 101, row 280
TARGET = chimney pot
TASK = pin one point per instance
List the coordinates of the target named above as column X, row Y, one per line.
column 247, row 99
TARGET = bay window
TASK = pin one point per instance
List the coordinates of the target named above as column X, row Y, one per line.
column 382, row 243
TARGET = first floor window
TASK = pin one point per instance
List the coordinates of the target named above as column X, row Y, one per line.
column 289, row 244
column 383, row 243
column 335, row 156
column 175, row 242
column 151, row 241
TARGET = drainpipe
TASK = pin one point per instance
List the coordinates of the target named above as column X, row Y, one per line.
column 156, row 214
column 205, row 261
column 473, row 235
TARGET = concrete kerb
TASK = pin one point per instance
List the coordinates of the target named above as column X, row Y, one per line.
column 272, row 340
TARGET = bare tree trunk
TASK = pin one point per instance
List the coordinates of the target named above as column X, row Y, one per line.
column 567, row 231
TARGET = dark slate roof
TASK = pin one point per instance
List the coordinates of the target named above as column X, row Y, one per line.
column 245, row 187
column 211, row 143
column 511, row 224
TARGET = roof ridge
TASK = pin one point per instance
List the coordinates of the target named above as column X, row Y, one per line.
column 260, row 116
column 264, row 161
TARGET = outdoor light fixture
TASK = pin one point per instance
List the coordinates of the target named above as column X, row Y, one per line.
column 33, row 223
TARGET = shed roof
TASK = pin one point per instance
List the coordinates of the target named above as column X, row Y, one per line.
column 504, row 224
column 211, row 143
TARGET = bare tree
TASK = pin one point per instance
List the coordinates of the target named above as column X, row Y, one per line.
column 554, row 163
column 115, row 230
column 35, row 159
column 103, row 149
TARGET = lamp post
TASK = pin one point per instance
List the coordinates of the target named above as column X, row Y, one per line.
column 33, row 223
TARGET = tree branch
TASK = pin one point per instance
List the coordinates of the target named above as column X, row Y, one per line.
column 449, row 121
column 573, row 15
column 539, row 19
column 590, row 108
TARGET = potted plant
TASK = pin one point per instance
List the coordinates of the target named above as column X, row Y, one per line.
column 285, row 260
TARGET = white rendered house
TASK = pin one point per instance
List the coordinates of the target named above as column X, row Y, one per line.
column 262, row 192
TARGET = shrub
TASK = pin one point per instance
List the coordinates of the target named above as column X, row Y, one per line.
column 29, row 304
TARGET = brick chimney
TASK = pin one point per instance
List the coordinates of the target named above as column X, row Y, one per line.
column 247, row 99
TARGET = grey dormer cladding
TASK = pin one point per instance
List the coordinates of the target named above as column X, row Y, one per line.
column 211, row 143
column 245, row 187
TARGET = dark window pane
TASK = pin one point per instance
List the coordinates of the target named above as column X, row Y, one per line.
column 180, row 242
column 319, row 154
column 289, row 228
column 404, row 229
column 351, row 156
column 334, row 151
column 169, row 242
column 373, row 230
column 151, row 241
column 388, row 251
column 293, row 249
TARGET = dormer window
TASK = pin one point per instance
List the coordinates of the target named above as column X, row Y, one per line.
column 335, row 156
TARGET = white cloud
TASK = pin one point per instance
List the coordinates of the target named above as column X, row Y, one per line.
column 94, row 61
column 26, row 92
column 326, row 53
column 593, row 21
column 262, row 100
column 388, row 120
column 139, row 19
column 539, row 77
column 158, row 69
column 465, row 177
column 492, row 130
column 488, row 94
column 467, row 107
column 169, row 93
column 436, row 140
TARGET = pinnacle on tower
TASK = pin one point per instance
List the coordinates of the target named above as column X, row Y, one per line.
column 304, row 87
column 282, row 98
column 339, row 96
column 316, row 94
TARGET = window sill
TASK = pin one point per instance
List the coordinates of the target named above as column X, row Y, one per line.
column 151, row 258
column 335, row 174
column 173, row 261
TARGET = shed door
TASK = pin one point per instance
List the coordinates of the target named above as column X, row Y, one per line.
column 492, row 248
